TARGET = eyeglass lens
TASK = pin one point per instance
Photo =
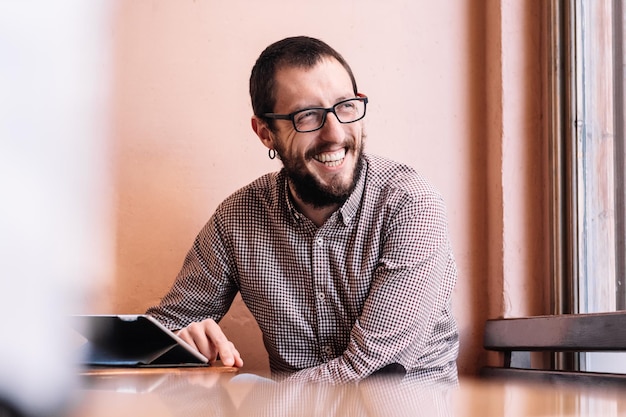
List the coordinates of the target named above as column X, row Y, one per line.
column 347, row 111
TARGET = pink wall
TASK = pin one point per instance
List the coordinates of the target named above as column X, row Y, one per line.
column 455, row 92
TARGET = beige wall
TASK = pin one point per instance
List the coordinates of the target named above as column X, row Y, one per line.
column 455, row 92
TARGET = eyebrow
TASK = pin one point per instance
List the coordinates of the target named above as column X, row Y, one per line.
column 341, row 98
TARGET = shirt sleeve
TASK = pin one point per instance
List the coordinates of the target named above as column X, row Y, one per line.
column 204, row 287
column 401, row 322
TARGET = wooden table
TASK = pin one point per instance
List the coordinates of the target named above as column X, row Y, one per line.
column 211, row 391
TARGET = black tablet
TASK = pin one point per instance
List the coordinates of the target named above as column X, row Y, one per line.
column 132, row 340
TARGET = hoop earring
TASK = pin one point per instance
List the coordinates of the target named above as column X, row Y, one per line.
column 271, row 153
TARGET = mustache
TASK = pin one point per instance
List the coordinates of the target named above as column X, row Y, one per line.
column 349, row 145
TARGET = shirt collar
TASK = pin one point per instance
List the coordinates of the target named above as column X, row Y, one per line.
column 349, row 208
column 291, row 208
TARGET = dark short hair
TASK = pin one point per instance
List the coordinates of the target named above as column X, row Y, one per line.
column 297, row 51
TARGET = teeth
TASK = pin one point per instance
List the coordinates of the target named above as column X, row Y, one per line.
column 331, row 159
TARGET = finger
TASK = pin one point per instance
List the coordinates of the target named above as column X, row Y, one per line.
column 184, row 334
column 238, row 361
column 226, row 350
column 229, row 355
column 196, row 336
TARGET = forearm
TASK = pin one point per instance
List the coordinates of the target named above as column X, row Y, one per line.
column 203, row 288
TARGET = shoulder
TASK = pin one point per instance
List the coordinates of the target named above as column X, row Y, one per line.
column 261, row 194
column 392, row 180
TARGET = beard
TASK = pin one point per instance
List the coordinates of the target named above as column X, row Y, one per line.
column 309, row 189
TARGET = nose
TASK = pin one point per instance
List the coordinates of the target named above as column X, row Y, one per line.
column 332, row 131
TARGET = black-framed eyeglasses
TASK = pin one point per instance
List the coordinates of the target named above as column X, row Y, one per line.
column 313, row 118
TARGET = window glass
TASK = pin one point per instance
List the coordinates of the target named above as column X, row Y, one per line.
column 599, row 151
column 597, row 101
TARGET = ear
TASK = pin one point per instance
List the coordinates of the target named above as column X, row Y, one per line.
column 263, row 131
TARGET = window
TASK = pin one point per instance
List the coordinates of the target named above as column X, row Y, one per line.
column 589, row 190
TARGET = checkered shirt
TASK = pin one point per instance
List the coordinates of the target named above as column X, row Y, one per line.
column 371, row 287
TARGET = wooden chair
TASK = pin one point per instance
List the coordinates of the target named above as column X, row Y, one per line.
column 518, row 337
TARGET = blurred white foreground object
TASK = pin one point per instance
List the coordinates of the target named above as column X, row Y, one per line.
column 55, row 228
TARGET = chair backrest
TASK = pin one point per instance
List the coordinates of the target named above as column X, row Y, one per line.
column 517, row 337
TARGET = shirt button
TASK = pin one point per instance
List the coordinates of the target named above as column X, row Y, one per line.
column 328, row 350
column 319, row 241
column 321, row 296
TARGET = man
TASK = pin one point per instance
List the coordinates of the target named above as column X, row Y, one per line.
column 343, row 258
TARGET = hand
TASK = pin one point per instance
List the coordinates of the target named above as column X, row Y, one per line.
column 208, row 338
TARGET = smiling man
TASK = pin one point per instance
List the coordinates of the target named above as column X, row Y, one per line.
column 342, row 257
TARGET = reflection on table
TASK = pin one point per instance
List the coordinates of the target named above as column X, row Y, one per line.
column 210, row 391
